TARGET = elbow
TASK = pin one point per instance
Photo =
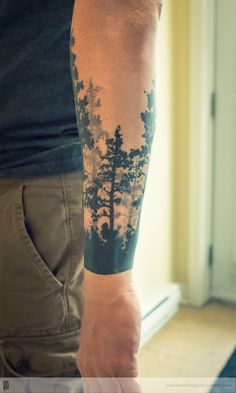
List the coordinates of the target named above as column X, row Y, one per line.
column 137, row 14
column 144, row 15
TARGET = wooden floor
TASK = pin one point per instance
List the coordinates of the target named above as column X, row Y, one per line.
column 196, row 342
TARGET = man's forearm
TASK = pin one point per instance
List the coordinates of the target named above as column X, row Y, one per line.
column 113, row 65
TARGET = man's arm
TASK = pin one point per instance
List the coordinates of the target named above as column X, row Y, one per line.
column 113, row 66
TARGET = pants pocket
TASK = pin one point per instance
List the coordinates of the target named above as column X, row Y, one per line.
column 43, row 229
column 32, row 299
column 48, row 356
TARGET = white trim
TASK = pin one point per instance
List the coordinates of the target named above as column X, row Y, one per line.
column 157, row 314
column 184, row 300
column 200, row 148
column 224, row 295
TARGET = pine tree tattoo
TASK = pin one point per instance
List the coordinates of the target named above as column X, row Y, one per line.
column 114, row 179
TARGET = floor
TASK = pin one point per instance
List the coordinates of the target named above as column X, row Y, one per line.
column 196, row 342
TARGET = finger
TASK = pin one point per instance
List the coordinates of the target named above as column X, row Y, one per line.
column 95, row 385
column 109, row 385
column 86, row 385
column 129, row 385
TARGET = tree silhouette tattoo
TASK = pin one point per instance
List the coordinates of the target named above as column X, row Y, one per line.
column 114, row 179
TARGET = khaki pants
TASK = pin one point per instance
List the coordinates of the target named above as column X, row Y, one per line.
column 41, row 275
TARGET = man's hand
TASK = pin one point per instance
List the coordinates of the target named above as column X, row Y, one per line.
column 111, row 325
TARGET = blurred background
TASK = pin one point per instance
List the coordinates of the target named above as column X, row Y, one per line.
column 185, row 268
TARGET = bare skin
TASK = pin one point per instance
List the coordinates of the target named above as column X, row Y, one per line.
column 111, row 325
column 110, row 333
column 113, row 70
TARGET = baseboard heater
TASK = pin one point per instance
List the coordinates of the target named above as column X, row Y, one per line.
column 158, row 312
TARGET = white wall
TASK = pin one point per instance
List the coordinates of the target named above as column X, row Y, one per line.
column 153, row 261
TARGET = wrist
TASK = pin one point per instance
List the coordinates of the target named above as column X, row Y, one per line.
column 98, row 286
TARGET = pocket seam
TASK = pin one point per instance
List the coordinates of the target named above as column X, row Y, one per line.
column 68, row 225
column 37, row 259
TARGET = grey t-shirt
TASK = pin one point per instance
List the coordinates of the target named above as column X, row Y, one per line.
column 38, row 128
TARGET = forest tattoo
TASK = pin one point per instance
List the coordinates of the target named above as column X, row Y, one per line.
column 114, row 179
